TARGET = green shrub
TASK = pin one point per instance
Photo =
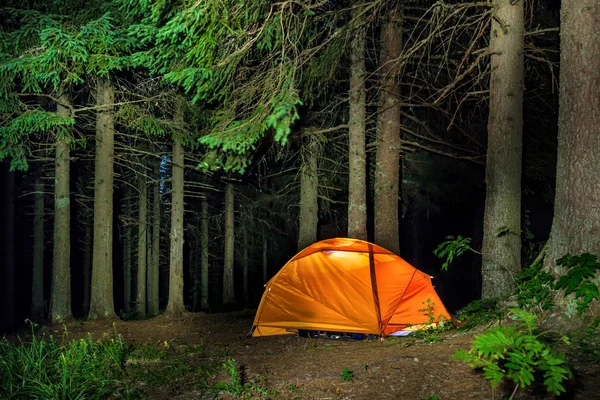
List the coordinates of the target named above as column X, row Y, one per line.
column 480, row 313
column 534, row 288
column 78, row 369
column 346, row 374
column 517, row 352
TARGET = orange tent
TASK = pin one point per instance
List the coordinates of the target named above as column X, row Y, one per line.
column 347, row 285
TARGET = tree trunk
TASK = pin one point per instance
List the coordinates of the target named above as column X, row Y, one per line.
column 501, row 248
column 127, row 240
column 265, row 255
column 576, row 223
column 387, row 166
column 9, row 249
column 244, row 264
column 357, row 183
column 101, row 299
column 309, row 192
column 228, row 282
column 140, row 299
column 37, row 294
column 88, row 243
column 204, row 255
column 60, row 304
column 175, row 306
column 153, row 274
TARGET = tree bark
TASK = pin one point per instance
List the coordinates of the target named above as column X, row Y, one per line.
column 357, row 183
column 576, row 224
column 228, row 281
column 101, row 298
column 387, row 166
column 265, row 254
column 153, row 274
column 88, row 254
column 142, row 250
column 309, row 192
column 127, row 241
column 9, row 249
column 175, row 306
column 501, row 248
column 204, row 255
column 39, row 214
column 244, row 265
column 60, row 304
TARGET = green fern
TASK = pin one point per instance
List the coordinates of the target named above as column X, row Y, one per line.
column 517, row 353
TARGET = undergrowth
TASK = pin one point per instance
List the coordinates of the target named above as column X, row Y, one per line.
column 45, row 369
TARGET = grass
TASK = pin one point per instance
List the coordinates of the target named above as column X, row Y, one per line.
column 110, row 368
column 79, row 369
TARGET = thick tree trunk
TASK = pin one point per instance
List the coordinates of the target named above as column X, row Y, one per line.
column 9, row 249
column 387, row 165
column 153, row 274
column 127, row 240
column 309, row 193
column 204, row 255
column 576, row 224
column 60, row 304
column 501, row 248
column 228, row 282
column 357, row 183
column 39, row 214
column 101, row 299
column 142, row 251
column 175, row 306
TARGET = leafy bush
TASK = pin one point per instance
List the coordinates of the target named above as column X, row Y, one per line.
column 517, row 352
column 78, row 369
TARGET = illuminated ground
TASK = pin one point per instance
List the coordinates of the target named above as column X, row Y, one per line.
column 194, row 349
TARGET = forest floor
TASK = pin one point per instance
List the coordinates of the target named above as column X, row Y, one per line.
column 187, row 358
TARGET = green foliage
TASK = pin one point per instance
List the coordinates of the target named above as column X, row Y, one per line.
column 452, row 248
column 78, row 369
column 534, row 288
column 587, row 341
column 238, row 386
column 579, row 279
column 439, row 325
column 432, row 397
column 346, row 375
column 517, row 352
column 480, row 313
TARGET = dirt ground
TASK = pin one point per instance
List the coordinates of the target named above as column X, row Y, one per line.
column 300, row 368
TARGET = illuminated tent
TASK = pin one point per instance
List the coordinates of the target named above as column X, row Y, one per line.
column 347, row 285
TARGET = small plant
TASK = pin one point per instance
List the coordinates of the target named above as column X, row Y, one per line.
column 291, row 387
column 237, row 385
column 434, row 333
column 346, row 375
column 432, row 397
column 517, row 352
column 452, row 248
column 579, row 279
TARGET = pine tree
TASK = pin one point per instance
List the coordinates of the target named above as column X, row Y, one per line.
column 501, row 251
